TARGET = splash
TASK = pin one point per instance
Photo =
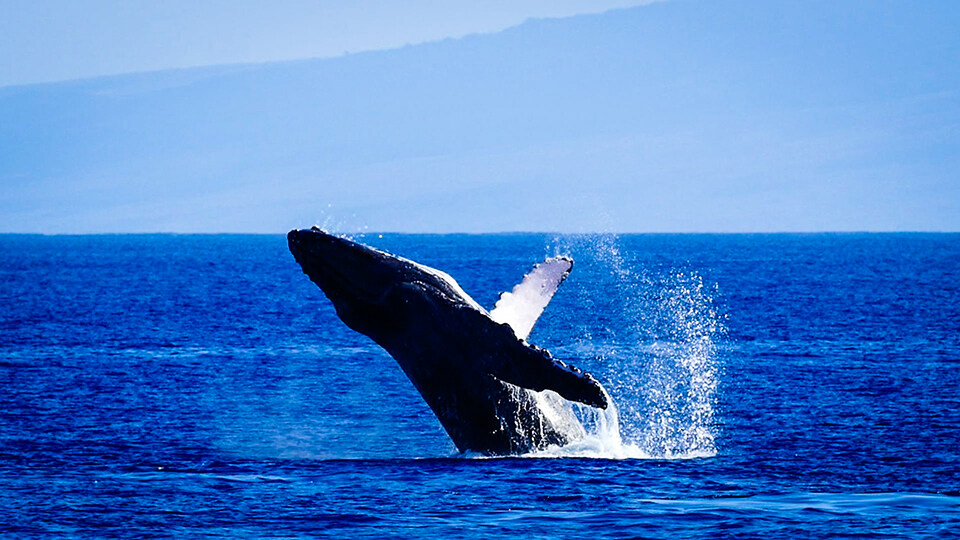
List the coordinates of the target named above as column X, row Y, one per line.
column 340, row 223
column 678, row 382
column 601, row 438
column 655, row 351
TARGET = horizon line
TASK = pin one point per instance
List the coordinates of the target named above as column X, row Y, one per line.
column 497, row 233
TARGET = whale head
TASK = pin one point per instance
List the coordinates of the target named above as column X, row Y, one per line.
column 360, row 280
column 356, row 278
column 343, row 268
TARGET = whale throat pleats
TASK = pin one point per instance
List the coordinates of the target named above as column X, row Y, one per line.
column 521, row 307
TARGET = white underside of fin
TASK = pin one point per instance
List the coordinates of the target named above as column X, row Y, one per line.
column 522, row 307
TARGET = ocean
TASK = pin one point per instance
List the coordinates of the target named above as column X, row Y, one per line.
column 201, row 386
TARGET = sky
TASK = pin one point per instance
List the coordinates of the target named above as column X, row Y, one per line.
column 55, row 40
column 671, row 116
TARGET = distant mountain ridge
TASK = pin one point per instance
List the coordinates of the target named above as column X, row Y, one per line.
column 680, row 115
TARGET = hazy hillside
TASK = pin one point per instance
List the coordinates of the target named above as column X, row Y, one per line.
column 682, row 115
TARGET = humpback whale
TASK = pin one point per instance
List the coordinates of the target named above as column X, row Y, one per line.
column 474, row 368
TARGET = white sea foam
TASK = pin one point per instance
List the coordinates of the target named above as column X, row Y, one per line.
column 601, row 436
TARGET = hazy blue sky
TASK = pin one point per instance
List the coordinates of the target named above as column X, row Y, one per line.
column 53, row 40
column 677, row 116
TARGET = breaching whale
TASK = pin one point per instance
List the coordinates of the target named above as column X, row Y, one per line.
column 474, row 368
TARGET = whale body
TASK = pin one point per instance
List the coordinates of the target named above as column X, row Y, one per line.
column 474, row 368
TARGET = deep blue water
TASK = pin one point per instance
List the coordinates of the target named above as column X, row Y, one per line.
column 201, row 386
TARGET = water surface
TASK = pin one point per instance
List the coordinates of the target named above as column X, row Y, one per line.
column 159, row 385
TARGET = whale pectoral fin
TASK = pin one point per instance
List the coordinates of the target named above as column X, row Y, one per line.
column 522, row 307
column 537, row 370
